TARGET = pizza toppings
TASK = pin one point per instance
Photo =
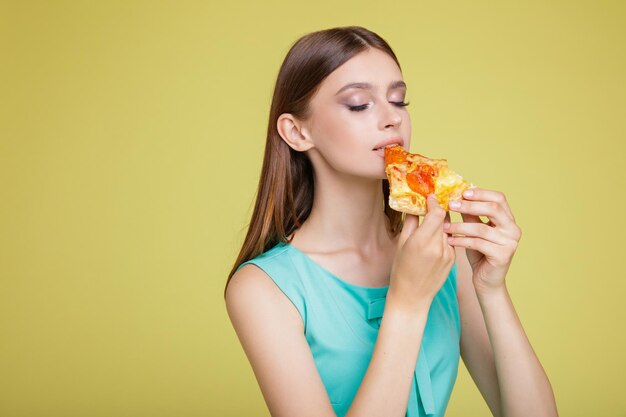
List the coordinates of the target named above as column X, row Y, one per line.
column 413, row 176
column 394, row 155
column 421, row 179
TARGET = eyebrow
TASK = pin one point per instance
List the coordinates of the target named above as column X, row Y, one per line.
column 394, row 84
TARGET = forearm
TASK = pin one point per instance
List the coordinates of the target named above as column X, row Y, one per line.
column 386, row 385
column 524, row 386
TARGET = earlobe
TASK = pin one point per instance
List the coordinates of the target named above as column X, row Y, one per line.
column 291, row 132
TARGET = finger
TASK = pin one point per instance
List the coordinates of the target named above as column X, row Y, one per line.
column 433, row 205
column 434, row 217
column 470, row 218
column 480, row 230
column 482, row 194
column 496, row 213
column 487, row 248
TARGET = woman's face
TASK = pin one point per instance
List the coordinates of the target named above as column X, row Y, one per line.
column 348, row 122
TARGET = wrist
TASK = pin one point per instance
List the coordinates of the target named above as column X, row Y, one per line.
column 488, row 293
column 402, row 306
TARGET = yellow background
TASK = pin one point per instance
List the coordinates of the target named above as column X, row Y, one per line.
column 121, row 213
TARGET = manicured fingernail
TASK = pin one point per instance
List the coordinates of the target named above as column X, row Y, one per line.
column 468, row 193
column 455, row 204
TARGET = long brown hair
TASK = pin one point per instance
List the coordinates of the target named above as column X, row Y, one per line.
column 285, row 191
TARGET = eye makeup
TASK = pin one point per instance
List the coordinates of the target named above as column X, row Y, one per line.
column 365, row 106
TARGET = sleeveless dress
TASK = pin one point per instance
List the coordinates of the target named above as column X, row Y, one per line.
column 341, row 322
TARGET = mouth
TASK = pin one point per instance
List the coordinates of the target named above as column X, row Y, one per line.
column 381, row 151
column 393, row 141
column 382, row 148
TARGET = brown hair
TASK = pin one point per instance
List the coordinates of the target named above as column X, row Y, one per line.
column 285, row 191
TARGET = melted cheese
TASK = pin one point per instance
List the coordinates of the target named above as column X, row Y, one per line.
column 448, row 184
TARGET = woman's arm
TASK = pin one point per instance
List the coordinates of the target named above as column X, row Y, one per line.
column 524, row 386
column 524, row 389
column 271, row 333
column 476, row 348
column 385, row 388
column 421, row 265
column 509, row 378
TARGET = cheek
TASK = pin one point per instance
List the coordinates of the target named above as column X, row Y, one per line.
column 406, row 132
column 344, row 131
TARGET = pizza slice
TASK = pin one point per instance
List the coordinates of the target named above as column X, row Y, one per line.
column 413, row 176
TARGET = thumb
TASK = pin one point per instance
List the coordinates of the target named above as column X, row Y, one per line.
column 411, row 223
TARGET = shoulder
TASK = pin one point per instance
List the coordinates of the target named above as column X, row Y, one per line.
column 252, row 295
column 271, row 333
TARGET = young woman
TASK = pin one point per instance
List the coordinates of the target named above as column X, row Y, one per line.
column 344, row 306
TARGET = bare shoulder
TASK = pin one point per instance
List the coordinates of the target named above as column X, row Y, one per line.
column 271, row 333
column 250, row 289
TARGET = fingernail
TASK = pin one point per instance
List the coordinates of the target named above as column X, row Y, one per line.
column 446, row 225
column 455, row 204
column 468, row 193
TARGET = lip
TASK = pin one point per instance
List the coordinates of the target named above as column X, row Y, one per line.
column 396, row 140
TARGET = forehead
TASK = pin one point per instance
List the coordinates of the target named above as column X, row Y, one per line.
column 371, row 66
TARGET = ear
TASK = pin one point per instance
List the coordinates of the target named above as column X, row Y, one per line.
column 293, row 132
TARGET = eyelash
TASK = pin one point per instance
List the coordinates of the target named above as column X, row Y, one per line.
column 364, row 106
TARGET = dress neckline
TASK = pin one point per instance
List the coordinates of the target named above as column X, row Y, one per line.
column 330, row 274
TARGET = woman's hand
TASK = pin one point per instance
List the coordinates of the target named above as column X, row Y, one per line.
column 489, row 246
column 423, row 259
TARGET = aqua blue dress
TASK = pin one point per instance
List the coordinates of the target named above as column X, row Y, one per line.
column 341, row 322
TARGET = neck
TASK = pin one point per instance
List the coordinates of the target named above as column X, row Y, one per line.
column 347, row 214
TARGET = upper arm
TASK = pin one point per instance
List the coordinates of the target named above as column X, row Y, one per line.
column 271, row 333
column 476, row 349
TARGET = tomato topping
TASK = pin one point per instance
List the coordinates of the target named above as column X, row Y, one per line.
column 421, row 179
column 395, row 155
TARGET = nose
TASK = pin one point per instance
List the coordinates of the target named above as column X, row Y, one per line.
column 391, row 116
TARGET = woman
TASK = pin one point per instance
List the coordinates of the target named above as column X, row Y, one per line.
column 344, row 307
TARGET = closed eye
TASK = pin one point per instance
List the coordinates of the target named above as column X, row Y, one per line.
column 364, row 106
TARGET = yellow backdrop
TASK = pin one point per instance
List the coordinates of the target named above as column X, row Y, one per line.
column 121, row 214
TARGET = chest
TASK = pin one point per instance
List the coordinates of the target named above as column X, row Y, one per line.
column 363, row 270
column 342, row 339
